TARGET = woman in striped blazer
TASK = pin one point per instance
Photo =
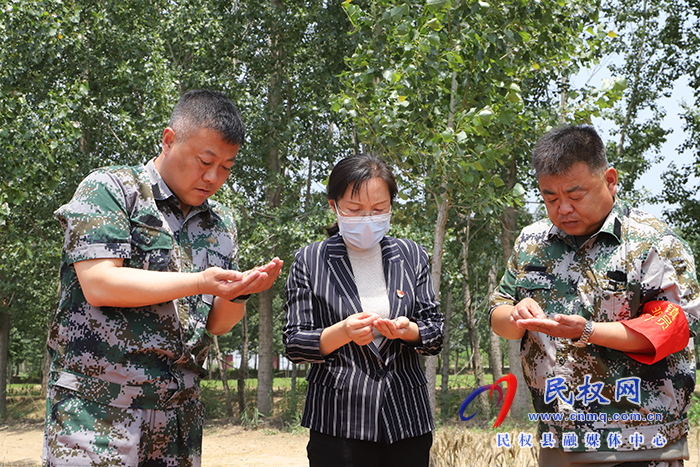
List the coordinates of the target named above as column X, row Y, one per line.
column 361, row 308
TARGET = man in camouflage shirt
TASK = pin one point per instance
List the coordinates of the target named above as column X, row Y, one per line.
column 604, row 298
column 148, row 270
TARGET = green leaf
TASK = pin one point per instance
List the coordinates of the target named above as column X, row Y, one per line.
column 485, row 115
column 353, row 12
column 505, row 117
column 434, row 23
column 396, row 13
column 518, row 190
column 620, row 84
column 436, row 3
column 447, row 135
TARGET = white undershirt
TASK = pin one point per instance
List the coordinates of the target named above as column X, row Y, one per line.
column 371, row 285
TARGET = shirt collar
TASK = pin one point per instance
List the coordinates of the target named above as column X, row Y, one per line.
column 611, row 226
column 160, row 189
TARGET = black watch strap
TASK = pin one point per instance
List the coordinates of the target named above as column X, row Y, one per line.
column 240, row 299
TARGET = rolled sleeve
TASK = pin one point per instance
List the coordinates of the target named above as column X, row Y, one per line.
column 669, row 275
column 428, row 317
column 96, row 221
column 302, row 331
column 505, row 292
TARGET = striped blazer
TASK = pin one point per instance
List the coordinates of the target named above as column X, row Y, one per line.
column 362, row 392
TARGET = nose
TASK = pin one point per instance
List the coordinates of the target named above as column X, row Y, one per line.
column 565, row 207
column 209, row 175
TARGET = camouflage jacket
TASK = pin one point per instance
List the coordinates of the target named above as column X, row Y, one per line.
column 147, row 357
column 624, row 404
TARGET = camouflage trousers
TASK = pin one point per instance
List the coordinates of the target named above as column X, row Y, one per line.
column 80, row 432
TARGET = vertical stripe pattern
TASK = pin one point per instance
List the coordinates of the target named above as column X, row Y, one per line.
column 360, row 392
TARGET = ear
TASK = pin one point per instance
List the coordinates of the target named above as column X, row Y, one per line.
column 169, row 140
column 332, row 205
column 611, row 180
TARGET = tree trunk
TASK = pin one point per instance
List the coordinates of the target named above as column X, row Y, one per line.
column 633, row 100
column 4, row 360
column 471, row 322
column 456, row 361
column 224, row 376
column 294, row 389
column 265, row 329
column 436, row 272
column 521, row 403
column 495, row 353
column 266, row 353
column 445, row 371
column 243, row 370
column 443, row 206
column 46, row 365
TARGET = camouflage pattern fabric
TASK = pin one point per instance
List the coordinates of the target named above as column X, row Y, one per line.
column 80, row 432
column 148, row 357
column 633, row 259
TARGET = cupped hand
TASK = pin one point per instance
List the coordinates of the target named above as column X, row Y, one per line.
column 392, row 328
column 565, row 326
column 230, row 284
column 359, row 327
column 525, row 309
column 267, row 275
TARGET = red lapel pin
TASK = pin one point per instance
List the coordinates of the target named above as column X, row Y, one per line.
column 399, row 294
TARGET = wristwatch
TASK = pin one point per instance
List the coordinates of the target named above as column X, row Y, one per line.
column 240, row 299
column 585, row 335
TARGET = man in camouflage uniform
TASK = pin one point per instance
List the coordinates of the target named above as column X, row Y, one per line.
column 604, row 299
column 148, row 270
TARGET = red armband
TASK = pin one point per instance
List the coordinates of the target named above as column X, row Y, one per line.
column 666, row 327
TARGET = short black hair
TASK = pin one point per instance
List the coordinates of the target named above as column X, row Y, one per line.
column 564, row 146
column 201, row 108
column 355, row 171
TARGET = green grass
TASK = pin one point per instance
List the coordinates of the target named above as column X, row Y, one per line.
column 25, row 402
column 252, row 383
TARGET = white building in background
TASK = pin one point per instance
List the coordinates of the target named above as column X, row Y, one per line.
column 234, row 360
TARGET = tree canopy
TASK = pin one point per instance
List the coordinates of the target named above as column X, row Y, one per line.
column 453, row 93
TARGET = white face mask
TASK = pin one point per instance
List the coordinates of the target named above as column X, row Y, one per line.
column 363, row 232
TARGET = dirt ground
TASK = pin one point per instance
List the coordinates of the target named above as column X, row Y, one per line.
column 224, row 445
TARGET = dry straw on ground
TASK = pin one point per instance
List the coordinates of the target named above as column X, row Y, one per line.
column 464, row 447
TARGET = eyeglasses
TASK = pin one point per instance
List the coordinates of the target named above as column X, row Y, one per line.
column 360, row 213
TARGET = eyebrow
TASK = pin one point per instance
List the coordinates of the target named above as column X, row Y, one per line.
column 568, row 190
column 373, row 204
column 213, row 154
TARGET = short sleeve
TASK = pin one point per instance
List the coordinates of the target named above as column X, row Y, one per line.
column 96, row 221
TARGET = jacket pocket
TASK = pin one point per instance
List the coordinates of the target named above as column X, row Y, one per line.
column 411, row 379
column 150, row 248
column 331, row 376
column 536, row 284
